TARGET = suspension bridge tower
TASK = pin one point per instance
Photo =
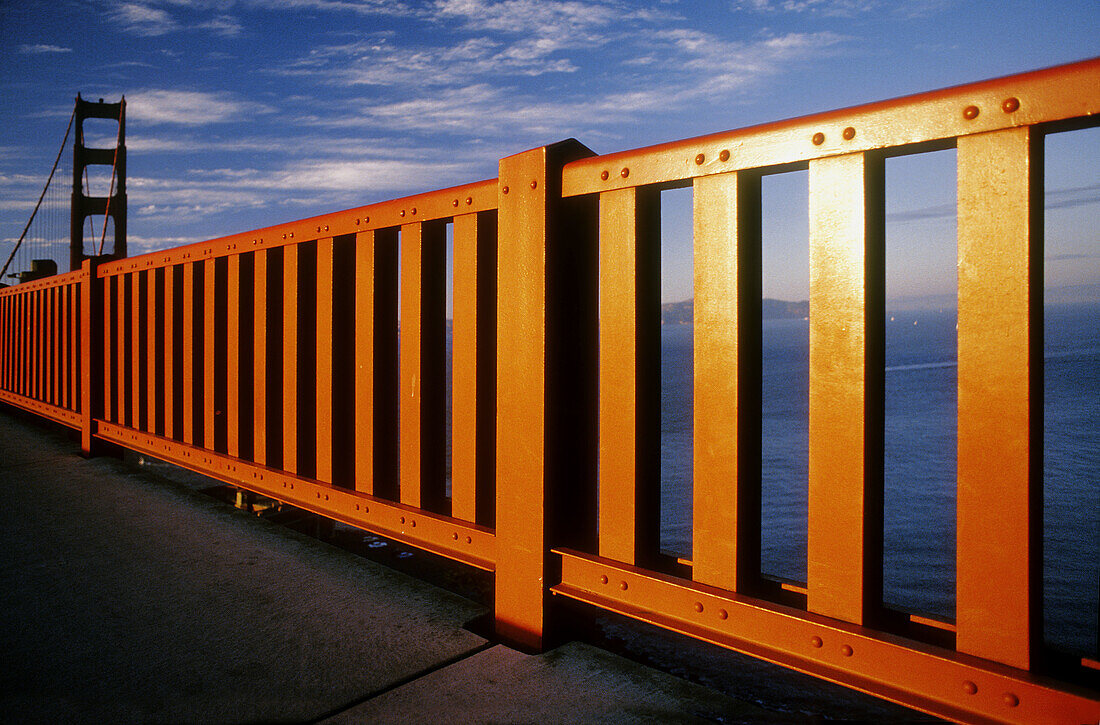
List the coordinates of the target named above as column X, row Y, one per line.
column 114, row 204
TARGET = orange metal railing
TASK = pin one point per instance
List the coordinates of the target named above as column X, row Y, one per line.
column 292, row 361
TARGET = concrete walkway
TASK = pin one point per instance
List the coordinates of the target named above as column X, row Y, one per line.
column 127, row 597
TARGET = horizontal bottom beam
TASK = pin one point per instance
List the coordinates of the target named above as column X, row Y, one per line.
column 70, row 418
column 941, row 682
column 457, row 540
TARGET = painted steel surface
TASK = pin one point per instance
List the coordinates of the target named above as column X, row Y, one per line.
column 293, row 361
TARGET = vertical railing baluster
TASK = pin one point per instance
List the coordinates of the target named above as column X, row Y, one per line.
column 93, row 295
column 324, row 373
column 847, row 281
column 290, row 358
column 727, row 380
column 423, row 279
column 473, row 367
column 122, row 365
column 1000, row 441
column 108, row 289
column 170, row 351
column 234, row 342
column 187, row 353
column 630, row 363
column 260, row 360
column 376, row 370
column 137, row 341
column 65, row 372
column 209, row 354
column 153, row 391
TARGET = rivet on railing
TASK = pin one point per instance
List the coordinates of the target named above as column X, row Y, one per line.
column 414, row 211
column 625, row 172
column 698, row 606
column 603, row 579
column 455, row 536
column 469, row 200
column 849, row 133
column 724, row 156
column 1011, row 700
column 846, row 650
column 818, row 139
column 401, row 213
column 1011, row 105
column 604, row 175
column 970, row 687
column 504, row 190
column 722, row 614
column 356, row 222
column 469, row 540
column 326, row 227
column 816, row 641
column 700, row 159
column 366, row 220
column 623, row 585
column 454, row 203
column 534, row 184
column 971, row 112
column 402, row 519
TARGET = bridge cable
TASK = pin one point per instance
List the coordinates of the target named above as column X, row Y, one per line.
column 61, row 150
column 114, row 166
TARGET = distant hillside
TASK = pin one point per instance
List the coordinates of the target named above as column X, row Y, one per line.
column 680, row 313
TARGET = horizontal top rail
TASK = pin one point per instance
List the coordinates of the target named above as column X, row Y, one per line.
column 433, row 205
column 1039, row 97
column 57, row 280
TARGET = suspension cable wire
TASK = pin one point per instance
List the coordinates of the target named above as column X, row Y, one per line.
column 55, row 163
column 114, row 166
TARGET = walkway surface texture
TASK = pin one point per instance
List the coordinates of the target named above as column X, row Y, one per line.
column 127, row 596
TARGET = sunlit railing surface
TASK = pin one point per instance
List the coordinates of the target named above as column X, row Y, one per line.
column 306, row 362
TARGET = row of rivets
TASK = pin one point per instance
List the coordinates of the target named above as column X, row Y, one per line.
column 469, row 539
column 469, row 200
column 1008, row 105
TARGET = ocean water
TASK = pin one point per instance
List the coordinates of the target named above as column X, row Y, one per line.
column 919, row 461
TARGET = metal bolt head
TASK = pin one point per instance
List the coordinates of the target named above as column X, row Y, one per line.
column 970, row 687
column 505, row 190
column 700, row 159
column 724, row 156
column 402, row 213
column 722, row 614
column 971, row 112
column 534, row 184
column 625, row 172
column 849, row 133
column 604, row 175
column 603, row 579
column 1011, row 105
column 698, row 606
column 816, row 641
column 623, row 585
column 1011, row 700
column 818, row 139
column 846, row 650
column 469, row 200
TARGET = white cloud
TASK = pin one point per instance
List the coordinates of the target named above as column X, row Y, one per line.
column 43, row 48
column 188, row 108
column 143, row 19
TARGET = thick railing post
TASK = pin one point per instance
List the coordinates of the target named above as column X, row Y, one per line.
column 533, row 238
column 91, row 357
column 1000, row 500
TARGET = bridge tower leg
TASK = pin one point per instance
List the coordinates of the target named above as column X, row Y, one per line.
column 113, row 205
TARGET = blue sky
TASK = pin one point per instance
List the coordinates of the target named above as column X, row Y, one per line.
column 247, row 113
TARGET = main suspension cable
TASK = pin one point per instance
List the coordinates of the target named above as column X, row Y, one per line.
column 60, row 151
